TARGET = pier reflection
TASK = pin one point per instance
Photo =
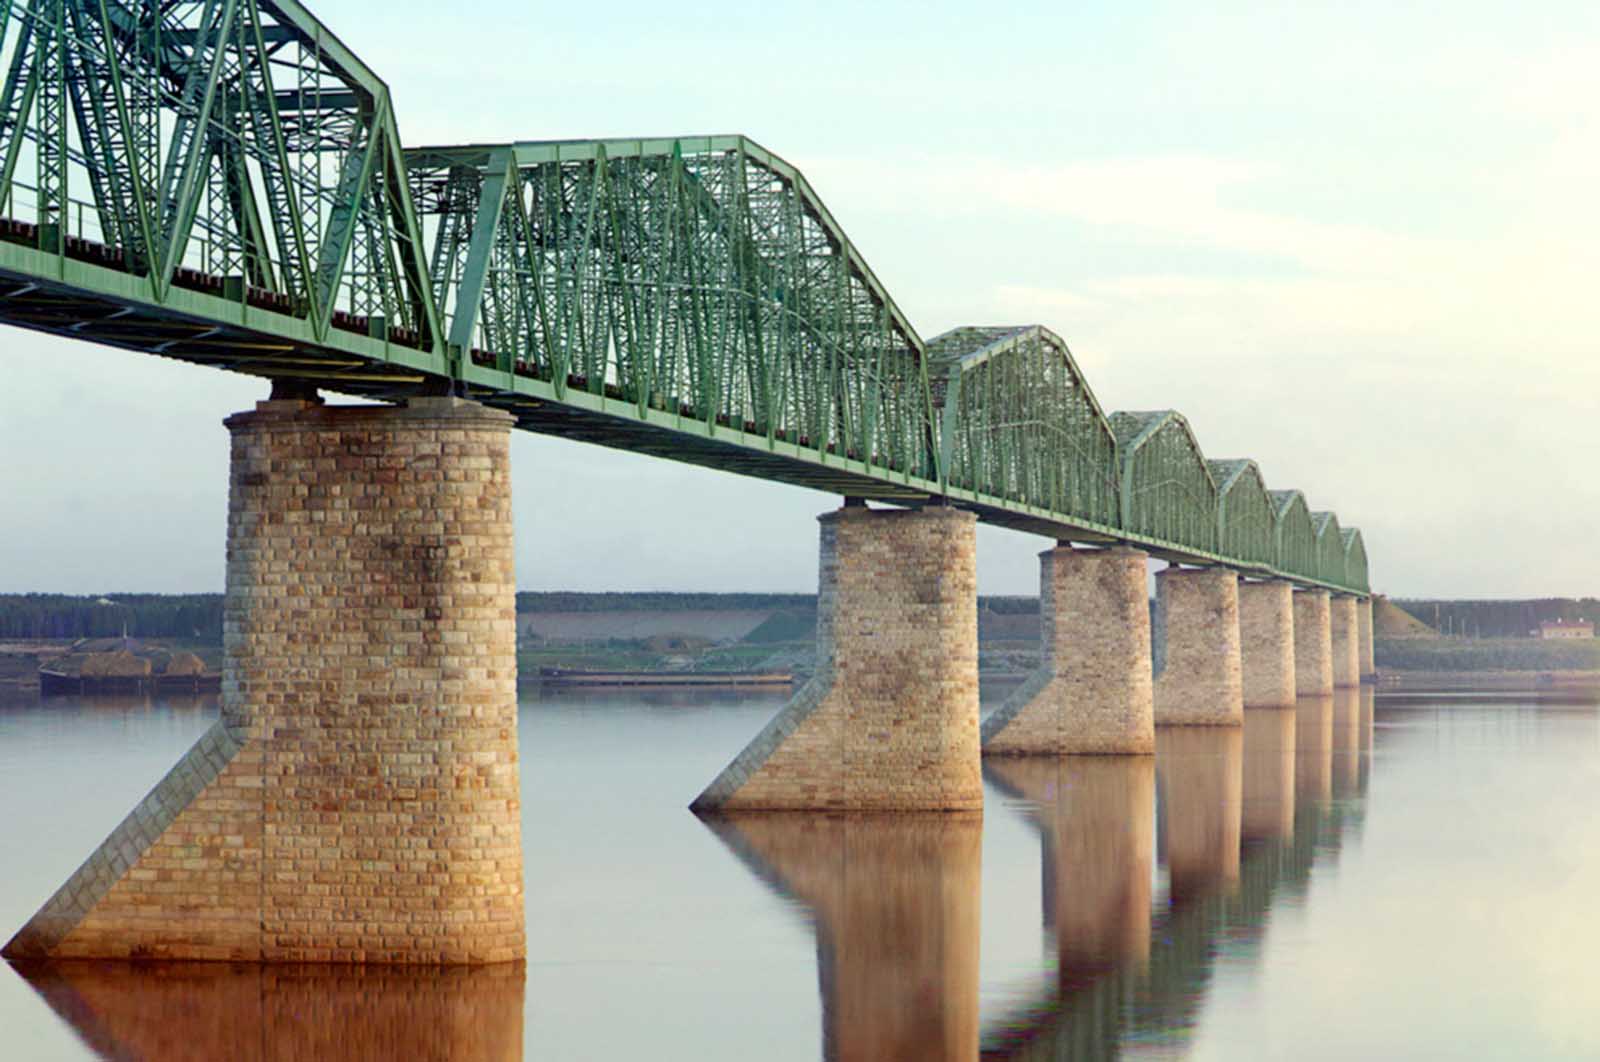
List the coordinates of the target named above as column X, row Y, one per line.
column 1239, row 830
column 250, row 1013
column 1200, row 770
column 895, row 904
column 1313, row 760
column 1347, row 742
column 1269, row 762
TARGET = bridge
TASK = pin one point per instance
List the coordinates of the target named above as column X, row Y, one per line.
column 223, row 182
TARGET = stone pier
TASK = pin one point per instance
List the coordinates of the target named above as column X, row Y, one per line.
column 1369, row 666
column 1313, row 644
column 1093, row 690
column 1266, row 643
column 889, row 722
column 358, row 800
column 1196, row 648
column 1344, row 637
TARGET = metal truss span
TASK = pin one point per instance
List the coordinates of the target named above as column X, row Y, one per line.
column 223, row 182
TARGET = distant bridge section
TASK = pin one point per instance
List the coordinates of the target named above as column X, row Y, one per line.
column 223, row 182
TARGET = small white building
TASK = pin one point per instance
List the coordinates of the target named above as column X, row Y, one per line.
column 1562, row 629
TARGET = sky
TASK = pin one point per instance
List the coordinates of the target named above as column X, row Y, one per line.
column 1355, row 242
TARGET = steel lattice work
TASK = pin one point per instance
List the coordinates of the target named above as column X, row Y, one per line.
column 1168, row 493
column 1246, row 527
column 1019, row 424
column 222, row 181
column 1330, row 547
column 1296, row 534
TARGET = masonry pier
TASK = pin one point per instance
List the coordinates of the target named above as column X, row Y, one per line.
column 1266, row 643
column 1196, row 647
column 1313, row 644
column 1343, row 639
column 889, row 722
column 358, row 800
column 1369, row 667
column 1093, row 690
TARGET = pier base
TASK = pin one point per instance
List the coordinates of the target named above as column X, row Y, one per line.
column 1343, row 641
column 1313, row 644
column 1196, row 648
column 1266, row 643
column 358, row 800
column 889, row 722
column 1093, row 690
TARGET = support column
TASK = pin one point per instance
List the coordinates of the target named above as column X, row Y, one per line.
column 1093, row 690
column 1313, row 644
column 889, row 722
column 1266, row 643
column 1343, row 636
column 358, row 800
column 1369, row 667
column 1196, row 648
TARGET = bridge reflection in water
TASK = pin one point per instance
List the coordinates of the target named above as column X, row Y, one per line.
column 201, row 1012
column 1237, row 818
column 1244, row 814
column 894, row 901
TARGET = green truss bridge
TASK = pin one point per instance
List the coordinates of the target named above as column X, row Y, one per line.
column 223, row 182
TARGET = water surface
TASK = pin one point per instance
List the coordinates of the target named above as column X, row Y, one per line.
column 1399, row 878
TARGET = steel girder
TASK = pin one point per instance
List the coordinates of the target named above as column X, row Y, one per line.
column 1168, row 492
column 1245, row 524
column 1019, row 424
column 222, row 181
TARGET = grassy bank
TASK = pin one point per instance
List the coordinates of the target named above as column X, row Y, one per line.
column 1487, row 654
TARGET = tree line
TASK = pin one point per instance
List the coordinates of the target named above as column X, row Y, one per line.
column 1500, row 619
column 188, row 616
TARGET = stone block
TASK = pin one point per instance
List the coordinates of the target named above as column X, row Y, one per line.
column 889, row 722
column 1266, row 643
column 1092, row 693
column 1196, row 648
column 274, row 839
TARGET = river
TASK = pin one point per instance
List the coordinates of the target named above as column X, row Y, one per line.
column 1390, row 877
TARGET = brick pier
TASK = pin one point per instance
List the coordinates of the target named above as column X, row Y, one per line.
column 889, row 722
column 1092, row 692
column 358, row 799
column 1369, row 668
column 1196, row 648
column 1343, row 641
column 1313, row 644
column 1266, row 643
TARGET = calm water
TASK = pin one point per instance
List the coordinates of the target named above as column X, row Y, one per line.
column 1410, row 878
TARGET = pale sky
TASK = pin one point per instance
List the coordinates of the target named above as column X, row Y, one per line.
column 1355, row 242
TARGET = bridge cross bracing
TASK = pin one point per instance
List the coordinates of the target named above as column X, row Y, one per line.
column 223, row 182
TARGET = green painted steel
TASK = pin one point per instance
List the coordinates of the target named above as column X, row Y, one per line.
column 1355, row 558
column 1330, row 548
column 1246, row 524
column 223, row 182
column 1296, row 534
column 1168, row 493
column 1018, row 423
